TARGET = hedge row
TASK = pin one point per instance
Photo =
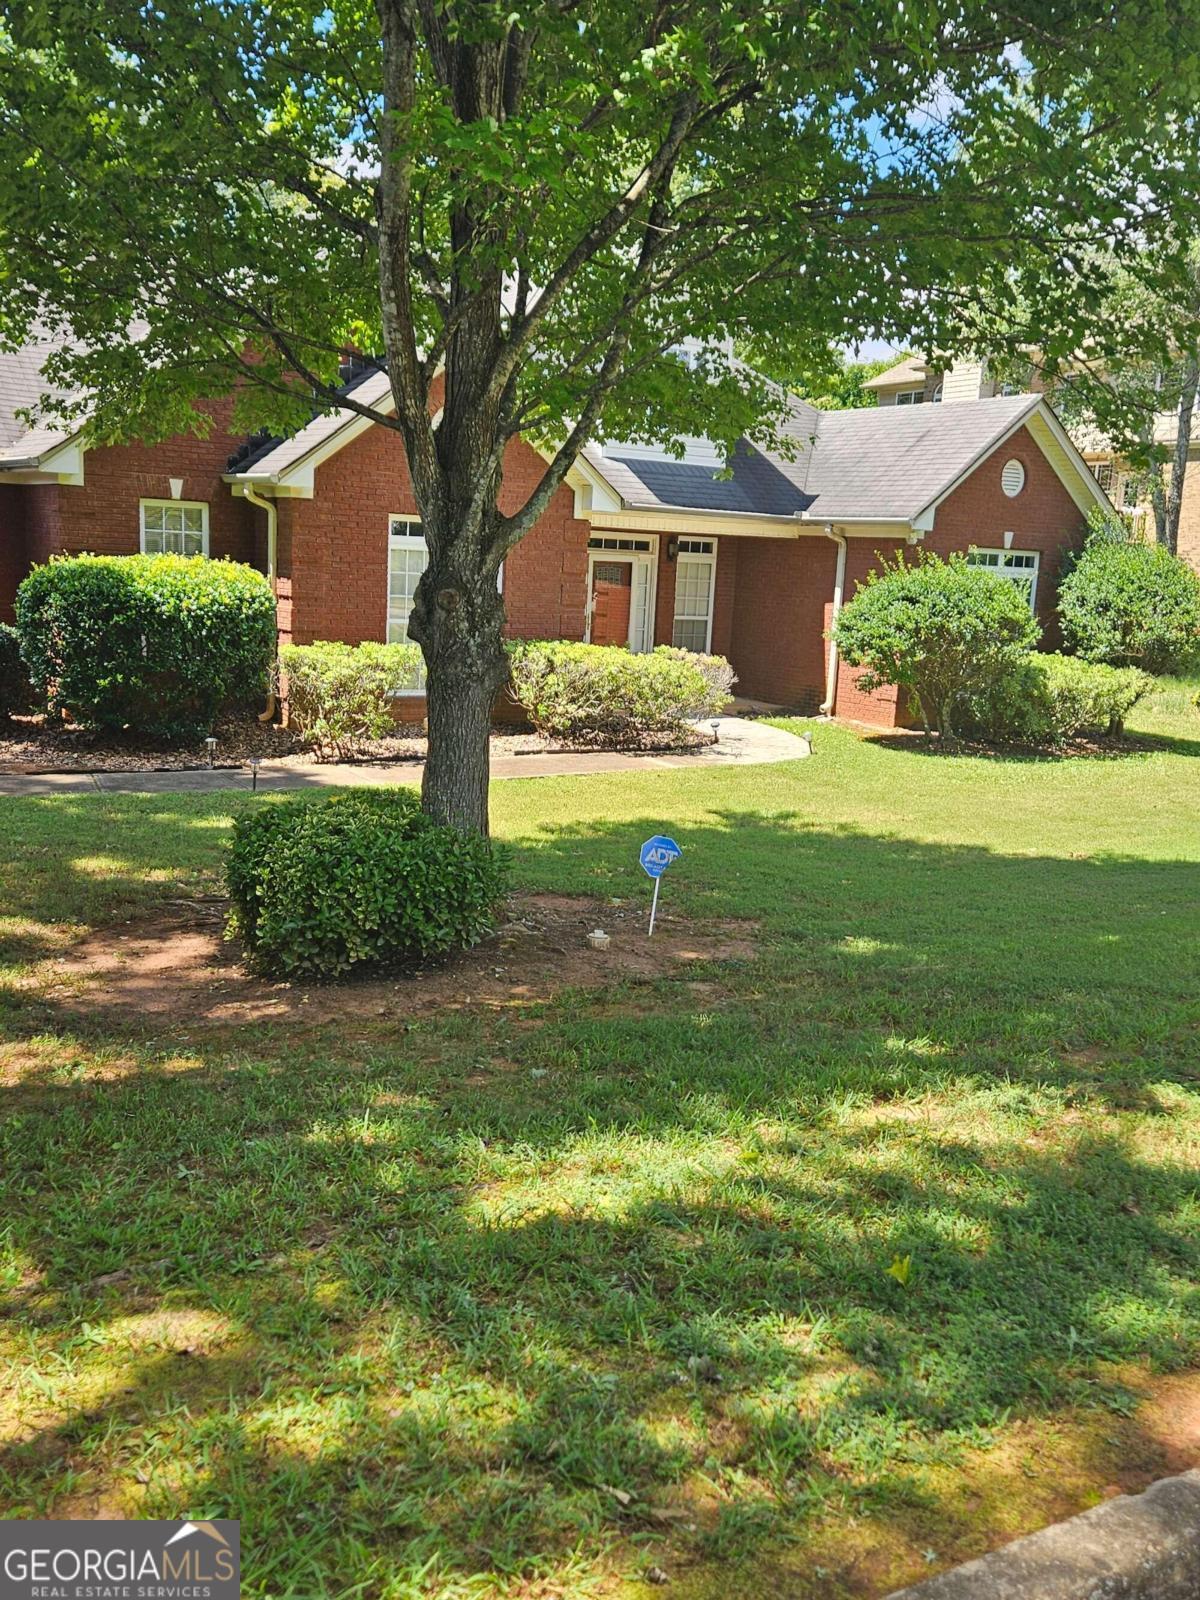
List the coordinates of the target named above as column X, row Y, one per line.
column 1051, row 699
column 960, row 641
column 595, row 694
column 341, row 695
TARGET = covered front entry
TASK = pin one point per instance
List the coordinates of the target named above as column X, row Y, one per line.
column 621, row 590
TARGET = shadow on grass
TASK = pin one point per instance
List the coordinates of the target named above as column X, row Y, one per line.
column 628, row 1286
column 1122, row 749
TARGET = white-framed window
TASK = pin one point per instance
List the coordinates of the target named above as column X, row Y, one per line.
column 174, row 527
column 1102, row 471
column 640, row 546
column 695, row 581
column 408, row 556
column 1018, row 567
column 910, row 397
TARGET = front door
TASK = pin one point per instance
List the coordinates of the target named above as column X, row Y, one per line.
column 612, row 591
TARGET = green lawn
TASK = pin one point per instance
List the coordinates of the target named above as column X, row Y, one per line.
column 529, row 1302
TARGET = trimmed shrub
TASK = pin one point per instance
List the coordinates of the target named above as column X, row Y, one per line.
column 1131, row 604
column 340, row 695
column 944, row 631
column 715, row 671
column 605, row 695
column 1051, row 699
column 321, row 886
column 16, row 692
column 158, row 645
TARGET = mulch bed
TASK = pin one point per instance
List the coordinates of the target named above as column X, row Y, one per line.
column 34, row 744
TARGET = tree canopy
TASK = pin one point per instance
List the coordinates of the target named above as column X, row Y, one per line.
column 542, row 202
column 837, row 386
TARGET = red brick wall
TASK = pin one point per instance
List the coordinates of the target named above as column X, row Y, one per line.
column 778, row 616
column 101, row 513
column 334, row 547
column 1043, row 517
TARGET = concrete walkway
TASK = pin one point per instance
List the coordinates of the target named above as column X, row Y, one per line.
column 739, row 743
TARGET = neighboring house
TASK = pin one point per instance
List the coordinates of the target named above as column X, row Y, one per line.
column 637, row 548
column 913, row 380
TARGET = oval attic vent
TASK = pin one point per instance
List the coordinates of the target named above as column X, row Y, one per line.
column 1012, row 479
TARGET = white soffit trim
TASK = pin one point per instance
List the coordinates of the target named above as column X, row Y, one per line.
column 1059, row 449
column 63, row 464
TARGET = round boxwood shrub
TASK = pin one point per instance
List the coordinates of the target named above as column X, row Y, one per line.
column 1133, row 605
column 154, row 644
column 319, row 887
column 945, row 631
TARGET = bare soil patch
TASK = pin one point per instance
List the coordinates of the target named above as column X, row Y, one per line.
column 178, row 967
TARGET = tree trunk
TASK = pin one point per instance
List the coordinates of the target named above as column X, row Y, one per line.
column 458, row 620
column 1168, row 528
column 455, row 786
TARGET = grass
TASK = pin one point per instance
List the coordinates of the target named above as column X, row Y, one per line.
column 528, row 1302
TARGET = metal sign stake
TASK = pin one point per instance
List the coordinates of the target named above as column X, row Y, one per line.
column 655, row 856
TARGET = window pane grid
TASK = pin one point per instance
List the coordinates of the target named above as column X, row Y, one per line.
column 694, row 570
column 408, row 557
column 1018, row 567
column 170, row 527
column 642, row 545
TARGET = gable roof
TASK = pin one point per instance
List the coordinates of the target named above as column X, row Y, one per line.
column 863, row 470
column 271, row 460
column 911, row 370
column 885, row 464
column 22, row 387
column 879, row 464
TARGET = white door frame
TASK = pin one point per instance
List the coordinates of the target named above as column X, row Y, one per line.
column 644, row 562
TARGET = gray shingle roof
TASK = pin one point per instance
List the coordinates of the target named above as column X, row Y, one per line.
column 871, row 465
column 756, row 484
column 277, row 455
column 874, row 464
column 892, row 462
column 21, row 387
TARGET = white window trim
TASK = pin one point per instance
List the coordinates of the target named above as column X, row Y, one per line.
column 181, row 505
column 647, row 560
column 711, row 557
column 1015, row 576
column 910, row 397
column 402, row 541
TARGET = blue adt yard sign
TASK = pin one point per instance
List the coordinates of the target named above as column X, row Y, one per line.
column 656, row 855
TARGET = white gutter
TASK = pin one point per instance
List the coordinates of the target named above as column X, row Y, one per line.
column 839, row 584
column 268, row 712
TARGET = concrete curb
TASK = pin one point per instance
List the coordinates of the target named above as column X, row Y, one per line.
column 1138, row 1547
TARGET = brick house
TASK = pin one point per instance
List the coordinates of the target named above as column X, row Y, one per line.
column 637, row 548
column 915, row 381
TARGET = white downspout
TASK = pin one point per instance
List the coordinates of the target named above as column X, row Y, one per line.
column 272, row 510
column 839, row 584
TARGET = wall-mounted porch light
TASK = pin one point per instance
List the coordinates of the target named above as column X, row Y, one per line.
column 672, row 547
